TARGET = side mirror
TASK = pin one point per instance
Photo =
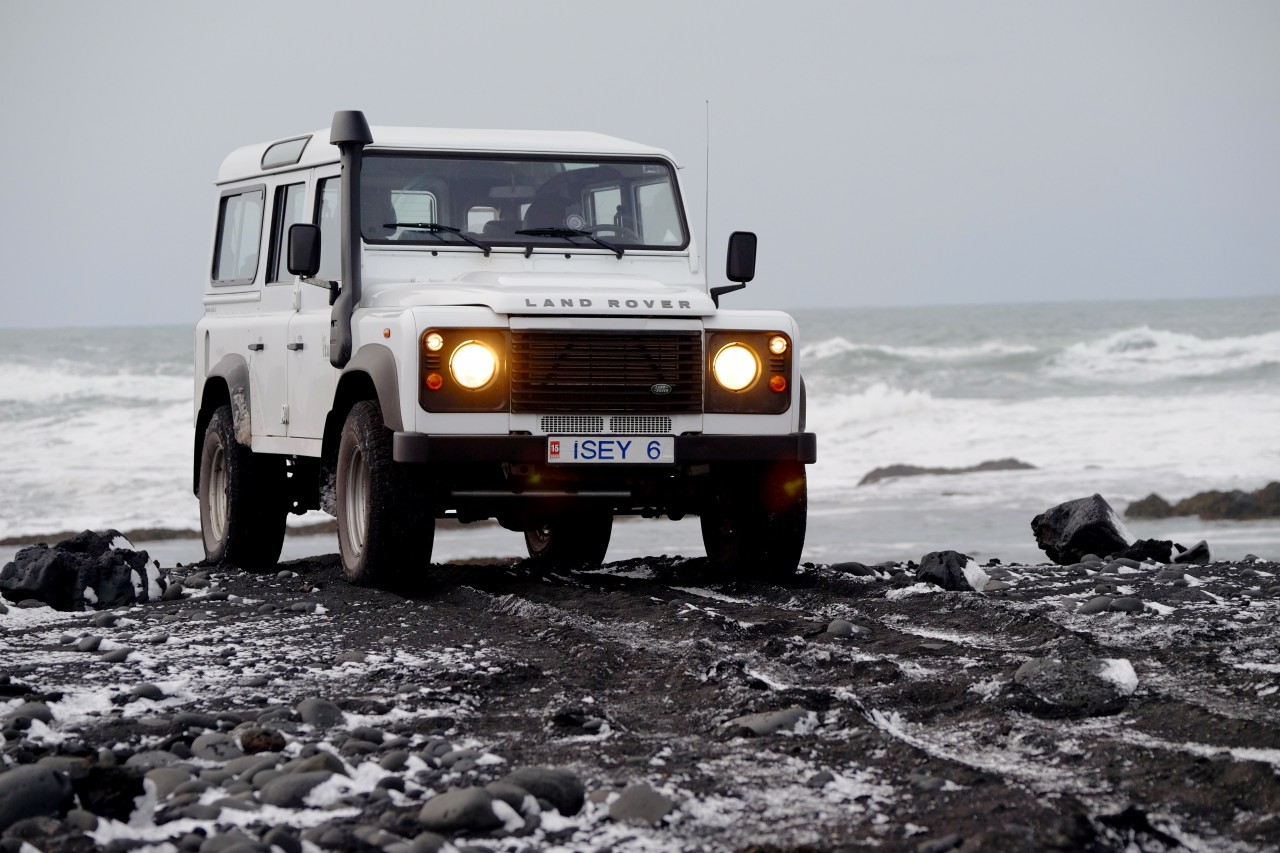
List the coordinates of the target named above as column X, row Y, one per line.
column 741, row 266
column 304, row 250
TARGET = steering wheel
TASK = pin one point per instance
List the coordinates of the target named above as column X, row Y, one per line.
column 620, row 230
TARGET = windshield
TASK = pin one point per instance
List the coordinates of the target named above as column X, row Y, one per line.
column 568, row 204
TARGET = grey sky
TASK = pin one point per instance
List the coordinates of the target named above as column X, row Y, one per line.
column 886, row 153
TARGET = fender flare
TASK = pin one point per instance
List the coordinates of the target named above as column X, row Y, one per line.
column 379, row 364
column 232, row 372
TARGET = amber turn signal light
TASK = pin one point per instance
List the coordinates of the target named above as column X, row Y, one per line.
column 434, row 381
column 777, row 383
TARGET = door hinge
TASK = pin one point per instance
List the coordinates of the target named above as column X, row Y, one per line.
column 284, row 413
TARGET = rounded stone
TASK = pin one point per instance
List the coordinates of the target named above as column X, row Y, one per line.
column 1127, row 604
column 318, row 712
column 562, row 788
column 291, row 790
column 89, row 643
column 1095, row 605
column 119, row 655
column 32, row 790
column 215, row 746
column 462, row 809
column 640, row 804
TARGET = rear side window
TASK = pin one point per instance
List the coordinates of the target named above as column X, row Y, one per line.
column 329, row 218
column 289, row 210
column 235, row 257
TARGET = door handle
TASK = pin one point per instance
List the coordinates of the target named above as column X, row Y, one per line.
column 294, row 346
column 258, row 347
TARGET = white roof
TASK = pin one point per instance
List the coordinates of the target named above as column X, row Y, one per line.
column 246, row 162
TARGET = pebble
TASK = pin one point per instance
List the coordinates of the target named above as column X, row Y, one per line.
column 119, row 655
column 459, row 810
column 167, row 779
column 1127, row 604
column 996, row 586
column 1198, row 554
column 1170, row 575
column 352, row 657
column 146, row 690
column 255, row 740
column 853, row 568
column 1096, row 605
column 640, row 804
column 104, row 620
column 562, row 788
column 318, row 712
column 32, row 790
column 215, row 746
column 31, row 711
column 1078, row 687
column 1105, row 589
column 89, row 643
column 290, row 790
column 940, row 845
column 172, row 592
column 821, row 779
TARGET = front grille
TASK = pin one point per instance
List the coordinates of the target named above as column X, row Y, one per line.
column 572, row 424
column 640, row 424
column 565, row 371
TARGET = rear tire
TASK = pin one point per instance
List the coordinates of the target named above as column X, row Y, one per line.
column 754, row 518
column 385, row 528
column 570, row 541
column 242, row 499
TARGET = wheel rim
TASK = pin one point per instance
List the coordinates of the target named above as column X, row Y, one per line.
column 218, row 500
column 357, row 501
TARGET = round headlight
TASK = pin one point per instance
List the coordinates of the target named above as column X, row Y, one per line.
column 473, row 365
column 736, row 367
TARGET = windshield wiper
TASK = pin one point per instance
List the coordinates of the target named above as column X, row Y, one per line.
column 568, row 233
column 436, row 228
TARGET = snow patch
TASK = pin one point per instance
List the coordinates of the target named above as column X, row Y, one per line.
column 1120, row 673
column 914, row 589
column 974, row 574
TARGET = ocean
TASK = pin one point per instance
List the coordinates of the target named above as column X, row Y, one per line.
column 1122, row 399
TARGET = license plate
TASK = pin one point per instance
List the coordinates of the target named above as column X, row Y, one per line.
column 623, row 449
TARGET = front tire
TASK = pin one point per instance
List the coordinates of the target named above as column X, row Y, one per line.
column 242, row 499
column 570, row 541
column 754, row 518
column 385, row 527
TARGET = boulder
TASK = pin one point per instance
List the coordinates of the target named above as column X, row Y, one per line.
column 1089, row 687
column 460, row 810
column 641, row 804
column 1073, row 529
column 951, row 570
column 83, row 570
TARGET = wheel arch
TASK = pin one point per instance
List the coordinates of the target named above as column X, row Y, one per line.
column 227, row 384
column 370, row 375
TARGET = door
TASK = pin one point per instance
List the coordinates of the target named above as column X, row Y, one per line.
column 312, row 379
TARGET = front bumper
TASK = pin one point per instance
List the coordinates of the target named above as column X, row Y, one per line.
column 532, row 449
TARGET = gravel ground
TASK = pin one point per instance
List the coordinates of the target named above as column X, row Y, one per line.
column 645, row 707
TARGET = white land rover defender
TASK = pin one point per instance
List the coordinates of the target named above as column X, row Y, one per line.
column 408, row 324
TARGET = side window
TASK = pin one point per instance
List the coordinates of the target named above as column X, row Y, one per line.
column 605, row 202
column 288, row 211
column 235, row 257
column 327, row 217
column 659, row 219
column 478, row 216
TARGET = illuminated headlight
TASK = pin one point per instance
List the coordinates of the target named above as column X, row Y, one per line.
column 473, row 365
column 736, row 367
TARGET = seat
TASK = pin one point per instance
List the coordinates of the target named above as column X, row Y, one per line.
column 500, row 229
column 548, row 211
column 376, row 210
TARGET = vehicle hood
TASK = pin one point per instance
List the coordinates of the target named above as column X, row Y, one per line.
column 550, row 293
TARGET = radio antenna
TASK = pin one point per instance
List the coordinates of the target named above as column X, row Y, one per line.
column 706, row 188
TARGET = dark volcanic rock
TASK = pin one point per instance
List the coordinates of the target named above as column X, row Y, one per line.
column 110, row 791
column 1213, row 505
column 1091, row 687
column 1152, row 506
column 1073, row 529
column 1160, row 550
column 60, row 576
column 944, row 568
column 30, row 791
column 889, row 471
column 1197, row 555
